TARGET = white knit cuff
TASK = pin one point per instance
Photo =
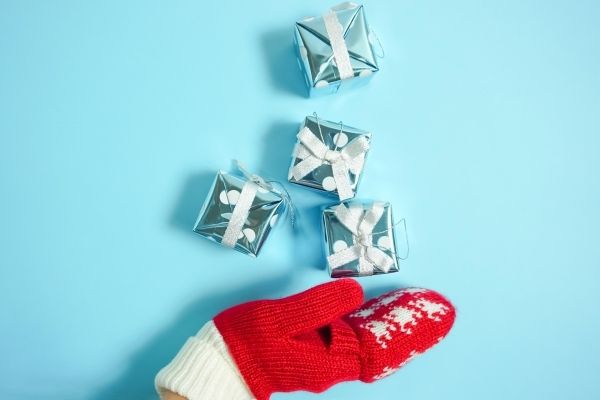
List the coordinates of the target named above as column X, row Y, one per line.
column 203, row 369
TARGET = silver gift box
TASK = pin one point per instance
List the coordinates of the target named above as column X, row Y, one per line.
column 327, row 68
column 266, row 208
column 367, row 247
column 336, row 136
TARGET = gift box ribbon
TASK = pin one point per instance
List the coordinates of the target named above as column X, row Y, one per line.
column 239, row 214
column 338, row 44
column 242, row 208
column 361, row 223
column 349, row 159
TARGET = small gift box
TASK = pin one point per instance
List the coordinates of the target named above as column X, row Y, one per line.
column 360, row 239
column 240, row 212
column 336, row 50
column 329, row 157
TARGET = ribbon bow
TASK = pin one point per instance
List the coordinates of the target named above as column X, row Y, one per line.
column 241, row 209
column 361, row 224
column 349, row 159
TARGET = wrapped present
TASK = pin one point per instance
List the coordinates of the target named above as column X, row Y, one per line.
column 336, row 50
column 360, row 239
column 240, row 211
column 329, row 156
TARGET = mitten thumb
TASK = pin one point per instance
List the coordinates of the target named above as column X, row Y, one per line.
column 318, row 306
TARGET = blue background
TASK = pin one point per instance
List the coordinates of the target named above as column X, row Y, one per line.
column 114, row 117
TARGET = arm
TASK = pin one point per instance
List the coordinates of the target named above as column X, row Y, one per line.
column 168, row 395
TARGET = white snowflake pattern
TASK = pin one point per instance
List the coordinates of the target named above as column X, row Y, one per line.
column 399, row 318
column 389, row 298
column 395, row 295
column 363, row 313
column 387, row 371
column 404, row 317
column 433, row 310
column 385, row 301
column 381, row 330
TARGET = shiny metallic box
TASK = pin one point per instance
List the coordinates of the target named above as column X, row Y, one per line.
column 336, row 50
column 329, row 157
column 360, row 239
column 265, row 208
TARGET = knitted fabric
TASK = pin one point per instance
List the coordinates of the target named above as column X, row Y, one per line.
column 308, row 341
column 277, row 344
column 312, row 340
column 394, row 328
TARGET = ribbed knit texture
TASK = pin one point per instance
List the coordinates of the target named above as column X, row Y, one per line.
column 278, row 345
column 203, row 369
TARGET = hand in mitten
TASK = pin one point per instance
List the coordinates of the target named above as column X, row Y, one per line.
column 308, row 341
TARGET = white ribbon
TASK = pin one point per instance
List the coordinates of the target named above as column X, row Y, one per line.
column 338, row 44
column 361, row 224
column 241, row 210
column 239, row 214
column 349, row 159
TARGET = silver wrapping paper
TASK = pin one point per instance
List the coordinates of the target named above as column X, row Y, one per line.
column 214, row 217
column 338, row 237
column 333, row 133
column 316, row 55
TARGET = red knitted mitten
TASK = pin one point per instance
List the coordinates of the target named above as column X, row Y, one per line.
column 308, row 341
